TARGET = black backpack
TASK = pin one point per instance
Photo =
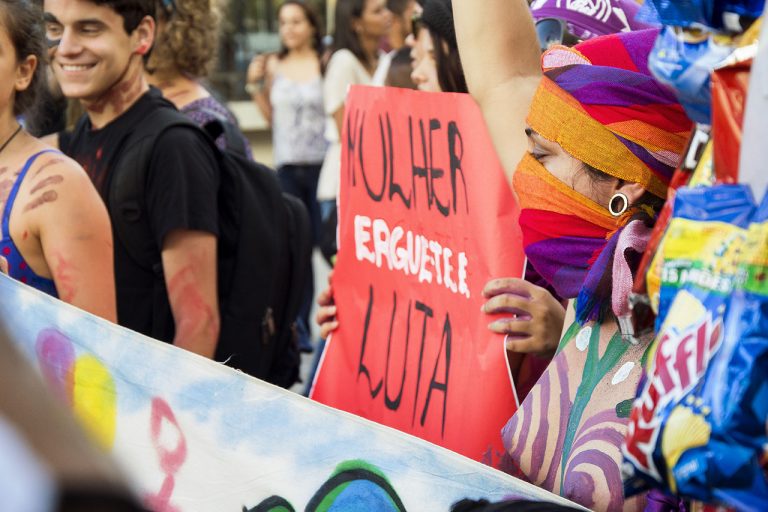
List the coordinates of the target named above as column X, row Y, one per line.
column 264, row 246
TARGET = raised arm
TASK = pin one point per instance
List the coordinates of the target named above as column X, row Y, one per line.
column 501, row 59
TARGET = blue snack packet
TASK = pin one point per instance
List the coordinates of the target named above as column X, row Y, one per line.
column 706, row 223
column 709, row 429
column 721, row 15
column 685, row 63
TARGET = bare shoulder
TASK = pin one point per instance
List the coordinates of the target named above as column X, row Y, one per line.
column 54, row 178
column 54, row 162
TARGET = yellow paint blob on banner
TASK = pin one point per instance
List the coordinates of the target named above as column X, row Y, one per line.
column 95, row 400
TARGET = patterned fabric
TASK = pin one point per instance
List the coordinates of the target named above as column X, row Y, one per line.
column 609, row 280
column 591, row 18
column 599, row 101
column 209, row 109
column 563, row 231
column 298, row 121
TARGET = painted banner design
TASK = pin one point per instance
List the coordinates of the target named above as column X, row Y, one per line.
column 194, row 435
column 426, row 217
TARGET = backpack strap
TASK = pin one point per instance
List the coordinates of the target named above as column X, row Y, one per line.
column 127, row 184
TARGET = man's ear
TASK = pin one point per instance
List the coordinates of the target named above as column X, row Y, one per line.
column 25, row 70
column 144, row 36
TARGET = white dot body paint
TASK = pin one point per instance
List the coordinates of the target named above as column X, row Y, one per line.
column 621, row 375
column 582, row 339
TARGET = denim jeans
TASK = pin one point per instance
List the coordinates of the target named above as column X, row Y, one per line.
column 301, row 181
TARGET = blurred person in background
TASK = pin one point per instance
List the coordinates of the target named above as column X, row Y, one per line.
column 435, row 54
column 396, row 41
column 400, row 68
column 183, row 54
column 360, row 27
column 288, row 89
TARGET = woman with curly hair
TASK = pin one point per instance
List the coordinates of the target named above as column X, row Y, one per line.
column 184, row 52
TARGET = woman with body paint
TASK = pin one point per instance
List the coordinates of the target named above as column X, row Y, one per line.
column 591, row 145
column 56, row 235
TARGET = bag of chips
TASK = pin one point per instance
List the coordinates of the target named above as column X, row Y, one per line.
column 698, row 427
column 683, row 59
column 721, row 15
column 707, row 225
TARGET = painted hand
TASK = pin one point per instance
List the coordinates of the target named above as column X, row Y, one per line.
column 529, row 315
column 326, row 313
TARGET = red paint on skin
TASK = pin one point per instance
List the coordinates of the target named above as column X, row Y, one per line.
column 50, row 180
column 64, row 276
column 47, row 164
column 188, row 303
column 48, row 196
column 5, row 188
column 119, row 96
column 25, row 235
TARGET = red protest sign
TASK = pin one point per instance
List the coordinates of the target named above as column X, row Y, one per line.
column 426, row 217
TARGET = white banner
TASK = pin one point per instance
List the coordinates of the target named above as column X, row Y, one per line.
column 194, row 435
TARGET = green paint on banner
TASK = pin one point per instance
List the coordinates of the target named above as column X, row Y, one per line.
column 330, row 498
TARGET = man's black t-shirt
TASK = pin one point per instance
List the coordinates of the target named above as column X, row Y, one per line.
column 180, row 194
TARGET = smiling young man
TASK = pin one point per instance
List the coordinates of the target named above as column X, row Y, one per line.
column 97, row 53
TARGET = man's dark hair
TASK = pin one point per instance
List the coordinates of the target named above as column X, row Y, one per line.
column 132, row 11
column 24, row 23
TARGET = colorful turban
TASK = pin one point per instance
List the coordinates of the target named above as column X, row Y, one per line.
column 599, row 101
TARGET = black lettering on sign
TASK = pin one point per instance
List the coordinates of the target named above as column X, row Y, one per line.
column 428, row 313
column 434, row 384
column 418, row 172
column 440, row 365
column 354, row 142
column 435, row 173
column 390, row 403
column 426, row 174
column 362, row 369
column 455, row 142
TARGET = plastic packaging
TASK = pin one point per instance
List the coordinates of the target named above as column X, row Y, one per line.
column 698, row 427
column 684, row 60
